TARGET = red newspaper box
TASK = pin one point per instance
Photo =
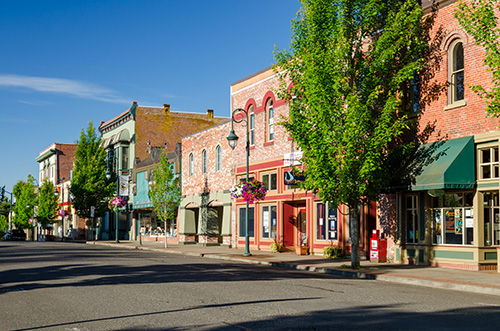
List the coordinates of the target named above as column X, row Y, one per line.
column 378, row 248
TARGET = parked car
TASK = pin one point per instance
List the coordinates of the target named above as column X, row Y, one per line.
column 15, row 235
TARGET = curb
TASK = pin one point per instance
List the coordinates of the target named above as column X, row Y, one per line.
column 407, row 280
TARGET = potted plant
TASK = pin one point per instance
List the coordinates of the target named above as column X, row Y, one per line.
column 277, row 246
column 332, row 251
column 302, row 248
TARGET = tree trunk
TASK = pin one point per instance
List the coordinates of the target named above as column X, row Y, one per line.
column 166, row 246
column 354, row 224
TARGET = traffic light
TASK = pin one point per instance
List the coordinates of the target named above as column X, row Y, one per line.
column 2, row 193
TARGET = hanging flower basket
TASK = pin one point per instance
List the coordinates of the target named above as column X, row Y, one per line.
column 250, row 192
column 63, row 213
column 116, row 202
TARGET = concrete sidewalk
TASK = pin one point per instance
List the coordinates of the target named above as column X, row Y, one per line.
column 485, row 282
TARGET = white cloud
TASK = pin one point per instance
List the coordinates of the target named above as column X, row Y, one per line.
column 73, row 88
column 34, row 103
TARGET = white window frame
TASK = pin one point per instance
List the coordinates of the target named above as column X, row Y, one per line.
column 204, row 167
column 251, row 116
column 452, row 73
column 271, row 233
column 218, row 158
column 270, row 120
column 492, row 165
column 269, row 174
column 191, row 164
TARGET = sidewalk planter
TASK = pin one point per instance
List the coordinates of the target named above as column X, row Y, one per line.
column 301, row 250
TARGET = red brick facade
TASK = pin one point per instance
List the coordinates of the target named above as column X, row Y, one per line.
column 470, row 118
column 294, row 217
column 213, row 180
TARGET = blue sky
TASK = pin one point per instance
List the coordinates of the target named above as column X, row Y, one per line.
column 65, row 63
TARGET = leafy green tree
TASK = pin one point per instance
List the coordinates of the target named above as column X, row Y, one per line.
column 478, row 18
column 5, row 206
column 89, row 186
column 25, row 195
column 353, row 66
column 47, row 203
column 165, row 192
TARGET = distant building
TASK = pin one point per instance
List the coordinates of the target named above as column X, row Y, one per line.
column 132, row 136
column 56, row 164
column 207, row 176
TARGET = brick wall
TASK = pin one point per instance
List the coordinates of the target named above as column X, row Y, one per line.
column 65, row 155
column 469, row 119
column 212, row 181
column 256, row 90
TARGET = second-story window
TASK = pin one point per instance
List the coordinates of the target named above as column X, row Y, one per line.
column 124, row 158
column 270, row 120
column 251, row 115
column 488, row 163
column 204, row 161
column 191, row 164
column 218, row 158
column 456, row 72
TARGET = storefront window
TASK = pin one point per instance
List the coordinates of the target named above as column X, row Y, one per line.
column 412, row 217
column 243, row 223
column 326, row 222
column 491, row 219
column 269, row 222
column 453, row 219
column 153, row 227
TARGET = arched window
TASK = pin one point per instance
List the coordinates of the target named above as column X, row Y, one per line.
column 270, row 120
column 204, row 161
column 251, row 115
column 191, row 164
column 218, row 158
column 456, row 72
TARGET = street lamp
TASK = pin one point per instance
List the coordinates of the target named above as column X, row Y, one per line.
column 110, row 164
column 33, row 210
column 56, row 193
column 232, row 140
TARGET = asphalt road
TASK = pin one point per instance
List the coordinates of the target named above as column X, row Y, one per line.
column 70, row 286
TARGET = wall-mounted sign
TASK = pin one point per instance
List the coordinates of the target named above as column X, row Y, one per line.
column 291, row 177
column 290, row 159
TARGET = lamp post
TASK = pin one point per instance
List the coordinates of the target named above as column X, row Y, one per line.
column 232, row 140
column 56, row 193
column 111, row 164
column 33, row 210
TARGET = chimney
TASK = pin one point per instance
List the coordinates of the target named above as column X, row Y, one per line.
column 134, row 102
column 210, row 113
column 166, row 107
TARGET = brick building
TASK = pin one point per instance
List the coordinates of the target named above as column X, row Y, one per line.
column 288, row 214
column 56, row 164
column 132, row 136
column 449, row 214
column 205, row 210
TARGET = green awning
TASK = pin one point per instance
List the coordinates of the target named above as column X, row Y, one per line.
column 447, row 164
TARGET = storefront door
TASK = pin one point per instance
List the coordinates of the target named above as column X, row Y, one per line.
column 288, row 225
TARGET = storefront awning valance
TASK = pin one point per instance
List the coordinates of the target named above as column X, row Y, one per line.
column 447, row 164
